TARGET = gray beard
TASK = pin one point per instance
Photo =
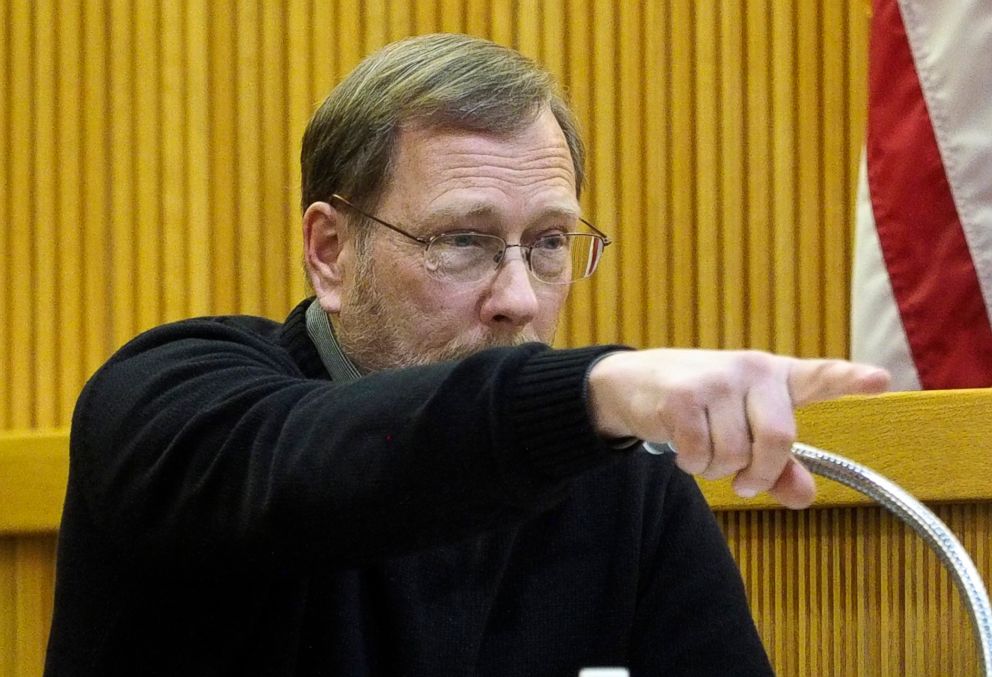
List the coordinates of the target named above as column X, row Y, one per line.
column 371, row 339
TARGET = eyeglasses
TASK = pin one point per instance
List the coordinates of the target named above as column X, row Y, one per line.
column 465, row 257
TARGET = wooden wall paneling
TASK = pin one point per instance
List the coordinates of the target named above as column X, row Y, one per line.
column 94, row 342
column 501, row 22
column 175, row 227
column 224, row 159
column 21, row 320
column 856, row 28
column 68, row 196
column 808, row 224
column 349, row 21
column 759, row 196
column 300, row 103
column 425, row 18
column 706, row 171
column 852, row 591
column 452, row 14
column 477, row 16
column 837, row 206
column 275, row 195
column 578, row 38
column 732, row 289
column 8, row 613
column 177, row 165
column 195, row 61
column 783, row 58
column 249, row 272
column 630, row 150
column 123, row 163
column 34, row 573
column 603, row 189
column 400, row 20
column 149, row 161
column 375, row 25
column 527, row 22
column 44, row 219
column 681, row 229
column 655, row 180
column 555, row 48
column 6, row 265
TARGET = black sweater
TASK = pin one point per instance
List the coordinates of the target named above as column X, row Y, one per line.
column 231, row 511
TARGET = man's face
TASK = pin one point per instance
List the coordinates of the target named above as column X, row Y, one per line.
column 392, row 313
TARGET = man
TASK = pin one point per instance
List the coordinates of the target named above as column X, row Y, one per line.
column 403, row 478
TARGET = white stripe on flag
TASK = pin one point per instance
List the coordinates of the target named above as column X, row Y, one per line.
column 877, row 333
column 951, row 41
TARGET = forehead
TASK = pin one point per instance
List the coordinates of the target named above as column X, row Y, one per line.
column 443, row 169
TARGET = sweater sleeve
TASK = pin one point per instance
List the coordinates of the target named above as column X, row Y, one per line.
column 202, row 442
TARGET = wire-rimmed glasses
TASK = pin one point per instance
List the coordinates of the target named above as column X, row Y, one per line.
column 467, row 256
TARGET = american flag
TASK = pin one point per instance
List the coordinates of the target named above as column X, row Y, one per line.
column 922, row 283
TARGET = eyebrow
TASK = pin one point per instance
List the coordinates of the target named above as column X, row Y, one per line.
column 485, row 210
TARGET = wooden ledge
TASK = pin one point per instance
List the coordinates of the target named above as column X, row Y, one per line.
column 34, row 468
column 937, row 445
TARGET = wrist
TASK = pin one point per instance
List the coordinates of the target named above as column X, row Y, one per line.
column 601, row 400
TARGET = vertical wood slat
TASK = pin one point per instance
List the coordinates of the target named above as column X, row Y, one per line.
column 20, row 319
column 808, row 177
column 655, row 182
column 733, row 179
column 68, row 194
column 300, row 103
column 6, row 265
column 27, row 569
column 681, row 229
column 580, row 315
column 274, row 137
column 148, row 165
column 759, row 196
column 196, row 61
column 174, row 261
column 706, row 172
column 630, row 150
column 783, row 58
column 603, row 191
column 224, row 163
column 836, row 199
column 44, row 233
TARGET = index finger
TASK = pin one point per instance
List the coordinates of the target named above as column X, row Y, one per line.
column 817, row 380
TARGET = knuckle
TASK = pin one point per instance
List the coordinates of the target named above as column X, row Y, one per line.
column 775, row 436
column 683, row 397
column 755, row 361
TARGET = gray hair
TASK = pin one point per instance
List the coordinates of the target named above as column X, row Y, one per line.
column 443, row 80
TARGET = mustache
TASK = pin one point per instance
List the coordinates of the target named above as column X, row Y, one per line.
column 460, row 348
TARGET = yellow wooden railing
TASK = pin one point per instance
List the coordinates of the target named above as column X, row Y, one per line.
column 840, row 589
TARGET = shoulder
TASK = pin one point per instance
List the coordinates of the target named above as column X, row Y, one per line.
column 204, row 334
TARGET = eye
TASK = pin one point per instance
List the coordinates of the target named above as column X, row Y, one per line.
column 460, row 240
column 551, row 242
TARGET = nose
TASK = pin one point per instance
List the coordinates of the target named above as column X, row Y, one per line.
column 511, row 302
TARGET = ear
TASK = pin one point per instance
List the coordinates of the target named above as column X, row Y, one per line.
column 324, row 242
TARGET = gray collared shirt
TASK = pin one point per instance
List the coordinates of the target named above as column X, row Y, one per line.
column 321, row 332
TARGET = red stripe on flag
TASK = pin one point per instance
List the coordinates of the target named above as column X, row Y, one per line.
column 933, row 277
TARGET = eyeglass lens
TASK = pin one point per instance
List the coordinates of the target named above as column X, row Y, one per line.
column 556, row 259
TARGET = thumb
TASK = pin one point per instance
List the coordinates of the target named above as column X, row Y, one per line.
column 817, row 380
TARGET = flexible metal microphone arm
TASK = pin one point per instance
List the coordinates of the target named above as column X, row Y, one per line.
column 920, row 518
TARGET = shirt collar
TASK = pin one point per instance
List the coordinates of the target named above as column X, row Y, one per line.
column 322, row 334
